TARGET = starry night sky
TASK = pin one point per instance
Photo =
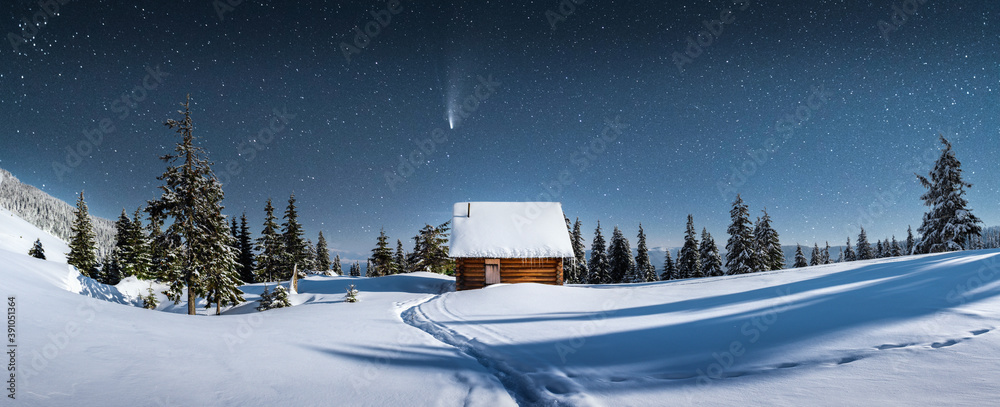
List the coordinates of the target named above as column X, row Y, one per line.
column 686, row 142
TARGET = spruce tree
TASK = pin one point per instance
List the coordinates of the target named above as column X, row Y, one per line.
column 949, row 223
column 879, row 250
column 293, row 243
column 669, row 270
column 247, row 265
column 600, row 270
column 399, row 259
column 322, row 254
column 826, row 254
column 356, row 270
column 37, row 251
column 740, row 256
column 580, row 254
column 138, row 254
column 430, row 250
column 800, row 258
column 771, row 256
column 645, row 272
column 111, row 273
column 381, row 260
column 568, row 265
column 816, row 258
column 82, row 249
column 270, row 247
column 711, row 262
column 689, row 260
column 192, row 198
column 895, row 250
column 864, row 249
column 620, row 260
column 911, row 243
column 849, row 254
column 335, row 267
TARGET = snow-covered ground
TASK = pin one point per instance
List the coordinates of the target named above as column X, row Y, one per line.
column 914, row 330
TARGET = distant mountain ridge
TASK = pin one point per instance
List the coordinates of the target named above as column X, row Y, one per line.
column 48, row 213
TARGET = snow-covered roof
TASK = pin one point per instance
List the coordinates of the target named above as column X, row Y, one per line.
column 509, row 230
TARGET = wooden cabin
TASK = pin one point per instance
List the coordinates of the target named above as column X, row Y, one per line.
column 508, row 242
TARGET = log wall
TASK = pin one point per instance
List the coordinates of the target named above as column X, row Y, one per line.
column 470, row 273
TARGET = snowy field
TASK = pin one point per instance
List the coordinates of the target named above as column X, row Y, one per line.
column 913, row 330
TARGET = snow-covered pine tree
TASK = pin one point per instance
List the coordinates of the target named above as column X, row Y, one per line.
column 711, row 262
column 949, row 223
column 840, row 258
column 620, row 260
column 864, row 249
column 739, row 256
column 323, row 254
column 669, row 270
column 879, row 250
column 37, row 251
column 381, row 260
column 136, row 258
column 430, row 250
column 269, row 247
column 600, row 269
column 192, row 198
column 335, row 268
column 244, row 243
column 768, row 245
column 162, row 256
column 645, row 272
column 849, row 254
column 800, row 258
column 816, row 257
column 309, row 262
column 352, row 294
column 911, row 242
column 826, row 254
column 112, row 273
column 580, row 253
column 279, row 298
column 149, row 301
column 265, row 300
column 568, row 265
column 356, row 269
column 689, row 260
column 292, row 242
column 399, row 259
column 82, row 249
column 894, row 249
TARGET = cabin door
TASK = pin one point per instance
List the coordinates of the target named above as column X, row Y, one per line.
column 492, row 271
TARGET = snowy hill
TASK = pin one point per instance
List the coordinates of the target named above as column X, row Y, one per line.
column 911, row 330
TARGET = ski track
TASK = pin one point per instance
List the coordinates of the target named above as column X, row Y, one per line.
column 521, row 386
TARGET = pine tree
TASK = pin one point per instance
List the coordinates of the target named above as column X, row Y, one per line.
column 430, row 250
column 620, row 260
column 840, row 258
column 270, row 247
column 879, row 250
column 581, row 271
column 816, row 258
column 335, row 267
column 711, row 262
column 911, row 243
column 669, row 270
column 826, row 254
column 772, row 257
column 849, row 254
column 864, row 249
column 568, row 265
column 82, row 249
column 356, row 270
column 645, row 272
column 322, row 254
column 137, row 260
column 689, row 260
column 111, row 273
column 265, row 300
column 800, row 258
column 149, row 301
column 949, row 223
column 381, row 260
column 739, row 256
column 600, row 269
column 162, row 254
column 293, row 244
column 192, row 197
column 37, row 251
column 895, row 250
column 399, row 259
column 244, row 244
